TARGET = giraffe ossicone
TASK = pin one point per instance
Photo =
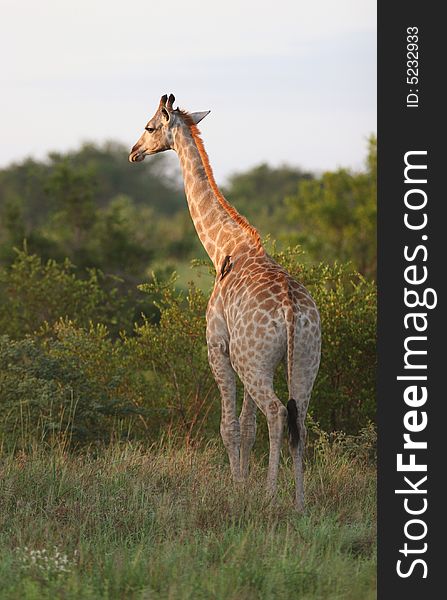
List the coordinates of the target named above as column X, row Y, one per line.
column 257, row 315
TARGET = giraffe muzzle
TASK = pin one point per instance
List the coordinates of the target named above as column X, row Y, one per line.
column 136, row 156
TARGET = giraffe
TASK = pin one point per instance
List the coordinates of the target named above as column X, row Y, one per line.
column 257, row 315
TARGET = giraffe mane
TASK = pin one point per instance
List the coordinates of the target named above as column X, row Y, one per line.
column 241, row 220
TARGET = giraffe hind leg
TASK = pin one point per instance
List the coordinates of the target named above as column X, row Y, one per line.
column 303, row 372
column 300, row 389
column 276, row 414
column 297, row 443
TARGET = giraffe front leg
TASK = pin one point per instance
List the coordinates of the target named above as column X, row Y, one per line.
column 226, row 381
column 247, row 420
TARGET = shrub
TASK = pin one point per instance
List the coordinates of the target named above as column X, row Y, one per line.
column 33, row 293
column 76, row 382
column 75, row 377
column 174, row 355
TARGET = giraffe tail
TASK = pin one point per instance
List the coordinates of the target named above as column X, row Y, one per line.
column 292, row 423
column 292, row 409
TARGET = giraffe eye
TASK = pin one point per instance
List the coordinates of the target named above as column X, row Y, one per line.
column 150, row 129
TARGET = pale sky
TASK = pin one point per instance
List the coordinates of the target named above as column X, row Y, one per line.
column 286, row 81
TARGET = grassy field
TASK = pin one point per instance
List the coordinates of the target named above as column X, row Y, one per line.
column 164, row 523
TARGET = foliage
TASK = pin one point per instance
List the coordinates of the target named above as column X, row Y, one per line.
column 33, row 293
column 151, row 182
column 175, row 352
column 87, row 345
column 71, row 192
column 128, row 522
column 74, row 372
column 76, row 383
column 93, row 207
column 337, row 215
column 260, row 194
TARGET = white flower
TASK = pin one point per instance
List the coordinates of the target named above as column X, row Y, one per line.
column 52, row 562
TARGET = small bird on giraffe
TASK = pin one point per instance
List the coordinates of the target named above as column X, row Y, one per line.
column 257, row 315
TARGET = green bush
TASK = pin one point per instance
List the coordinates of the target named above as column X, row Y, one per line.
column 76, row 383
column 173, row 353
column 76, row 376
column 33, row 294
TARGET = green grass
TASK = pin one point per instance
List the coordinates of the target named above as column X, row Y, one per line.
column 168, row 524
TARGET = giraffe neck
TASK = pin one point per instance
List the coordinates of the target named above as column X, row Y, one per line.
column 220, row 228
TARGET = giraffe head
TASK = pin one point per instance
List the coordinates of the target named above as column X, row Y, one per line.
column 158, row 132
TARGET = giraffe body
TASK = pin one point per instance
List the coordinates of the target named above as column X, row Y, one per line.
column 257, row 315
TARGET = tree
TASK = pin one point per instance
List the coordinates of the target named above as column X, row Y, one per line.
column 259, row 194
column 71, row 190
column 336, row 215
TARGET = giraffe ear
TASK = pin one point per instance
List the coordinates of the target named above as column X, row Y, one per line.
column 165, row 114
column 198, row 116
